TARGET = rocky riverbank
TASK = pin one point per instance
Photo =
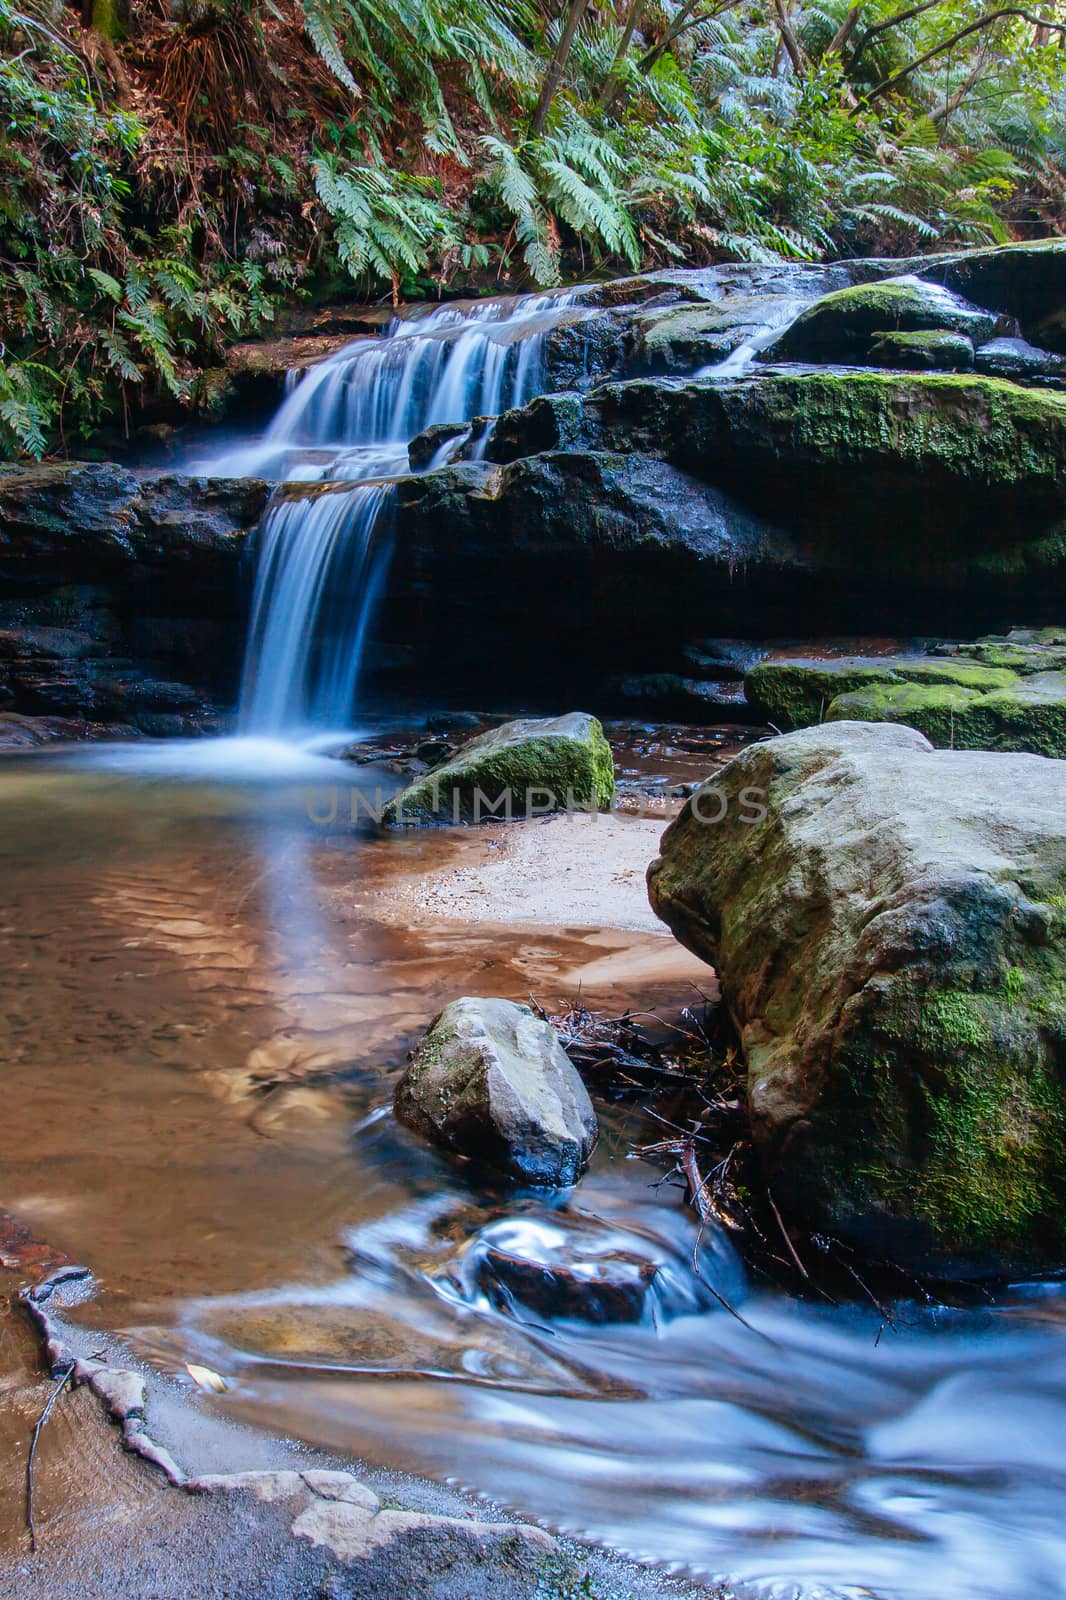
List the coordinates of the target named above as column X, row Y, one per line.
column 653, row 500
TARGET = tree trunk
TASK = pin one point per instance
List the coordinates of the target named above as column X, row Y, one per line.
column 611, row 83
column 557, row 65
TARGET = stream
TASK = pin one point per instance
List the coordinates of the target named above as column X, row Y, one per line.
column 208, row 997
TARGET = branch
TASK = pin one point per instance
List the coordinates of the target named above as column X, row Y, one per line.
column 964, row 33
column 648, row 61
column 845, row 31
column 614, row 77
column 955, row 99
column 895, row 21
column 553, row 76
column 789, row 40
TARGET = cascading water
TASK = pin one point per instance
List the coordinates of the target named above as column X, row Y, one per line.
column 348, row 421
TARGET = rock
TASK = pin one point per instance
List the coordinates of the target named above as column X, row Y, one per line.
column 1022, row 363
column 794, row 693
column 527, row 767
column 1028, row 715
column 957, row 701
column 846, row 325
column 933, row 351
column 491, row 1081
column 724, row 658
column 669, row 694
column 554, row 1272
column 425, row 446
column 1022, row 650
column 887, row 924
column 681, row 338
column 124, row 597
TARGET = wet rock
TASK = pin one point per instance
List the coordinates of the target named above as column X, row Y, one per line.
column 1022, row 363
column 556, row 1272
column 680, row 338
column 426, row 445
column 670, row 694
column 886, row 921
column 724, row 658
column 527, row 767
column 932, row 351
column 845, row 326
column 491, row 1081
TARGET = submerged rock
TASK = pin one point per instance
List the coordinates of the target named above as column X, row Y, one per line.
column 888, row 926
column 528, row 767
column 491, row 1081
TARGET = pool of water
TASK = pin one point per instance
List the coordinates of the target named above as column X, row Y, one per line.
column 206, row 1004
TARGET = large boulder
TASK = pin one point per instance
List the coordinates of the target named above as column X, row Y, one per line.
column 491, row 1081
column 889, row 927
column 528, row 767
column 846, row 325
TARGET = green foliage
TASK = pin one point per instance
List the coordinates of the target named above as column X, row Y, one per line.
column 162, row 193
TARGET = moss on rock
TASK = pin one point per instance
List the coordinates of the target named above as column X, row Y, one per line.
column 793, row 694
column 891, row 946
column 936, row 350
column 845, row 325
column 527, row 767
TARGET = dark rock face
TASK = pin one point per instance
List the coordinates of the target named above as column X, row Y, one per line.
column 886, row 923
column 123, row 596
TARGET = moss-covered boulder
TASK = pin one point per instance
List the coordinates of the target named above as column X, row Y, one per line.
column 1022, row 650
column 845, row 325
column 888, row 923
column 492, row 1082
column 936, row 350
column 528, row 767
column 794, row 693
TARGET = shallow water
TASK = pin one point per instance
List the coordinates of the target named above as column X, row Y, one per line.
column 205, row 1009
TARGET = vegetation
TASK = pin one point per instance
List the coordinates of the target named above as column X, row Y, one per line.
column 173, row 170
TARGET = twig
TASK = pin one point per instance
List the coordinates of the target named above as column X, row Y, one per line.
column 57, row 1389
column 784, row 1234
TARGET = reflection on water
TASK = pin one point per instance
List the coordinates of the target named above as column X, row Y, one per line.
column 204, row 1016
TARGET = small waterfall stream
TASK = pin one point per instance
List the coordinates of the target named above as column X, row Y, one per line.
column 344, row 427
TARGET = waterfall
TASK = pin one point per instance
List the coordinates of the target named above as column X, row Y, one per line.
column 320, row 566
column 344, row 427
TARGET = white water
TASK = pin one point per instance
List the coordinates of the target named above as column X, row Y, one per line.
column 322, row 557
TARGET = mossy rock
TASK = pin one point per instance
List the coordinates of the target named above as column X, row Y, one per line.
column 1029, row 715
column 1022, row 650
column 793, row 694
column 528, row 767
column 845, row 325
column 888, row 923
column 938, row 710
column 933, row 351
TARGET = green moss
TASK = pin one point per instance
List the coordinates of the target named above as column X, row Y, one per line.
column 989, row 1166
column 983, row 430
column 939, row 711
column 541, row 764
column 793, row 694
column 932, row 350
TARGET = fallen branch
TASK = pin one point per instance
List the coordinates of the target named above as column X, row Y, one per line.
column 57, row 1389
